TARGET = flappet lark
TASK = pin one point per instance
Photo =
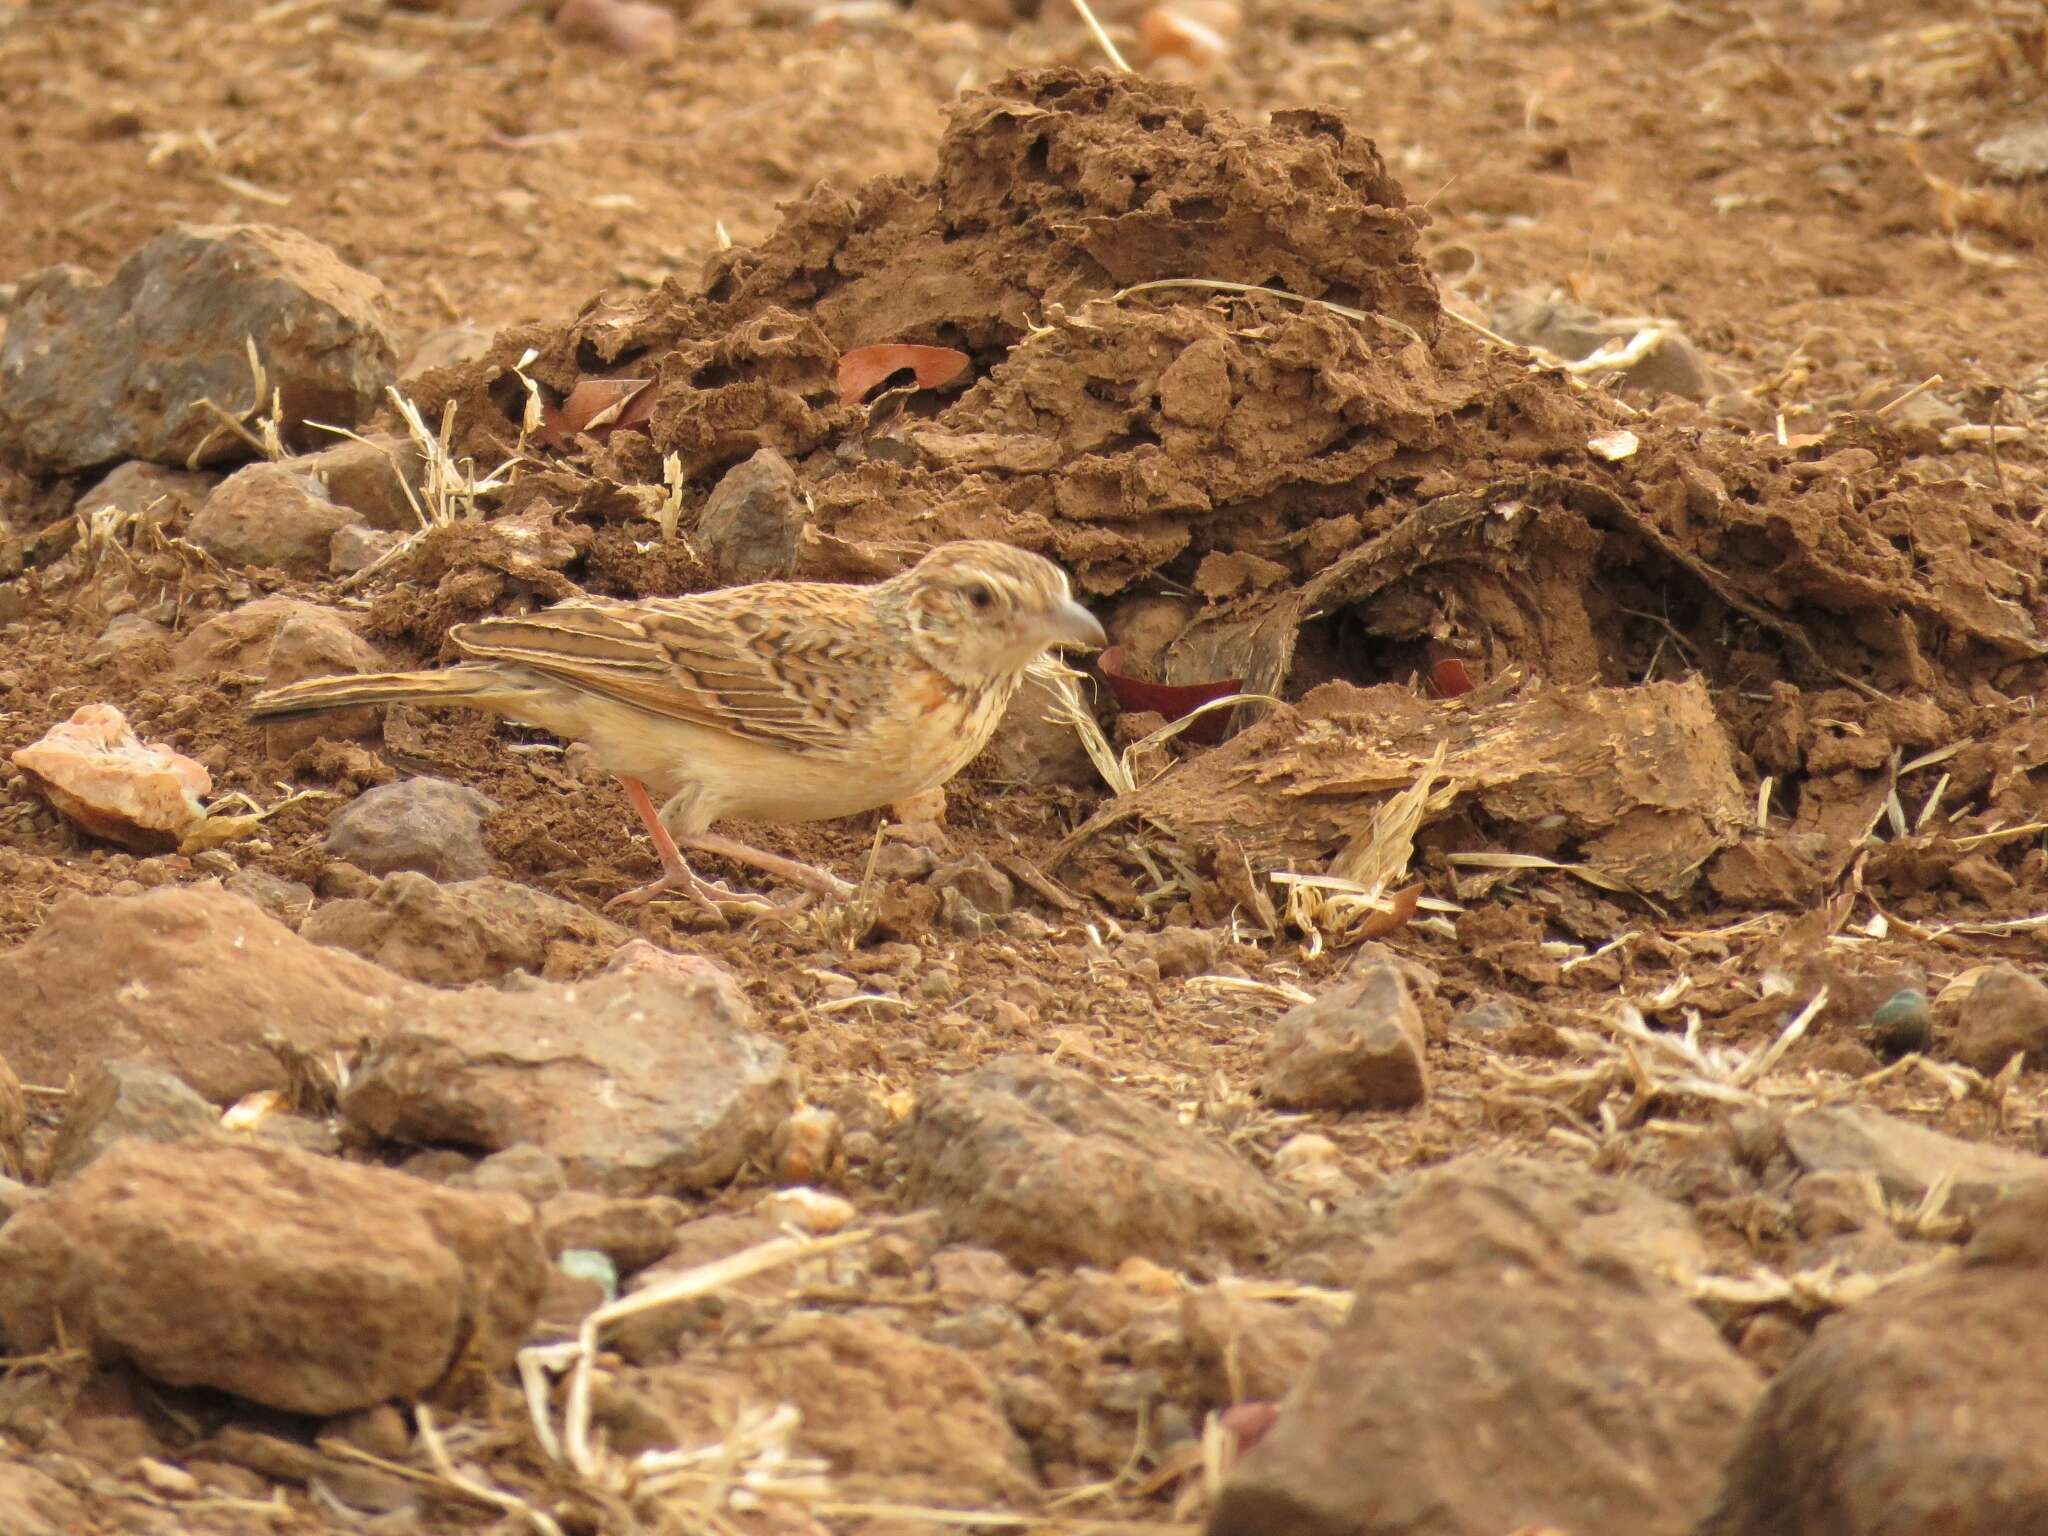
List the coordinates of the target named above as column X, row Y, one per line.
column 784, row 701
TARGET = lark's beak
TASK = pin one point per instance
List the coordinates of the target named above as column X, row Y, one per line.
column 1068, row 623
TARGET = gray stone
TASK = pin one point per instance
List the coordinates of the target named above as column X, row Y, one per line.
column 1907, row 1159
column 646, row 1079
column 748, row 529
column 120, row 1100
column 427, row 825
column 356, row 548
column 370, row 478
column 532, row 1173
column 146, row 492
column 1358, row 1046
column 92, row 372
column 272, row 516
column 1504, row 1365
column 1049, row 1167
column 300, row 1282
column 1031, row 748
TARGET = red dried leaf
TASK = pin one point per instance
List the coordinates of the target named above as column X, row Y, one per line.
column 1248, row 1423
column 1405, row 904
column 598, row 407
column 1450, row 677
column 1134, row 695
column 864, row 367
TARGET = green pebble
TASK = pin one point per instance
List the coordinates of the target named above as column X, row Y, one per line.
column 1904, row 1022
column 589, row 1264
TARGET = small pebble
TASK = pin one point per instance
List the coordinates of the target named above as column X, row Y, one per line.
column 1904, row 1023
column 589, row 1264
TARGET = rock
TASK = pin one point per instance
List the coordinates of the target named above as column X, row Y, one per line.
column 631, row 1233
column 898, row 1417
column 643, row 1080
column 356, row 548
column 311, row 641
column 110, row 784
column 1903, row 1023
column 382, row 1431
column 1032, row 747
column 240, row 641
column 2005, row 1014
column 1908, row 1159
column 807, row 1210
column 130, row 637
column 654, row 1334
column 1172, row 952
column 471, row 930
column 1488, row 1016
column 286, row 900
column 188, row 978
column 1049, row 1167
column 370, row 478
column 123, row 1100
column 428, row 825
column 532, row 1173
column 1504, row 1364
column 748, row 529
column 1918, row 1410
column 272, row 516
column 303, row 1283
column 92, row 372
column 1571, row 331
column 1358, row 1046
column 808, row 1145
column 32, row 1503
column 449, row 346
column 146, row 492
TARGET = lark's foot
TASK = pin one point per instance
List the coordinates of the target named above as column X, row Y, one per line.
column 675, row 874
column 795, row 871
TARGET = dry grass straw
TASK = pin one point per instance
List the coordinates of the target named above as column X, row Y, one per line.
column 1118, row 770
column 450, row 488
column 263, row 432
column 1353, row 896
column 1116, row 59
column 1219, row 285
column 754, row 1460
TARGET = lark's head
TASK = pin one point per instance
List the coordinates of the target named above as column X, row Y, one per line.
column 981, row 612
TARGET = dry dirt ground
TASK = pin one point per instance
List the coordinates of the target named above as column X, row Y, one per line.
column 1853, row 584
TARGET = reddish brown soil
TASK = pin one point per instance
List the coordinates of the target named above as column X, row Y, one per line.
column 1791, row 183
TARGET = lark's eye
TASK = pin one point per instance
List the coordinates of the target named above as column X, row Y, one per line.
column 980, row 598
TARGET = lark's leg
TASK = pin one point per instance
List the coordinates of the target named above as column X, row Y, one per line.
column 675, row 874
column 809, row 876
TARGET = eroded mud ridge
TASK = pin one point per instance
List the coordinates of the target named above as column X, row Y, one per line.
column 1559, row 1055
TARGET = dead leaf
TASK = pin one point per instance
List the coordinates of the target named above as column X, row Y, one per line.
column 864, row 367
column 1170, row 700
column 598, row 407
column 1402, row 909
column 1450, row 677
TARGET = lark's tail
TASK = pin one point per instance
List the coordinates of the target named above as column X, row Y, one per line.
column 478, row 687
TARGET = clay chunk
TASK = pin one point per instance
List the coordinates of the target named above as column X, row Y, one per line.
column 107, row 781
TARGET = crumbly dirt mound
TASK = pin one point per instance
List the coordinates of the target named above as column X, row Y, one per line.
column 1053, row 187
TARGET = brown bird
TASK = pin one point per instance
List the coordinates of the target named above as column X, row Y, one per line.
column 784, row 701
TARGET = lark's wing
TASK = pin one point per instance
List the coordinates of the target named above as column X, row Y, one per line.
column 798, row 665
